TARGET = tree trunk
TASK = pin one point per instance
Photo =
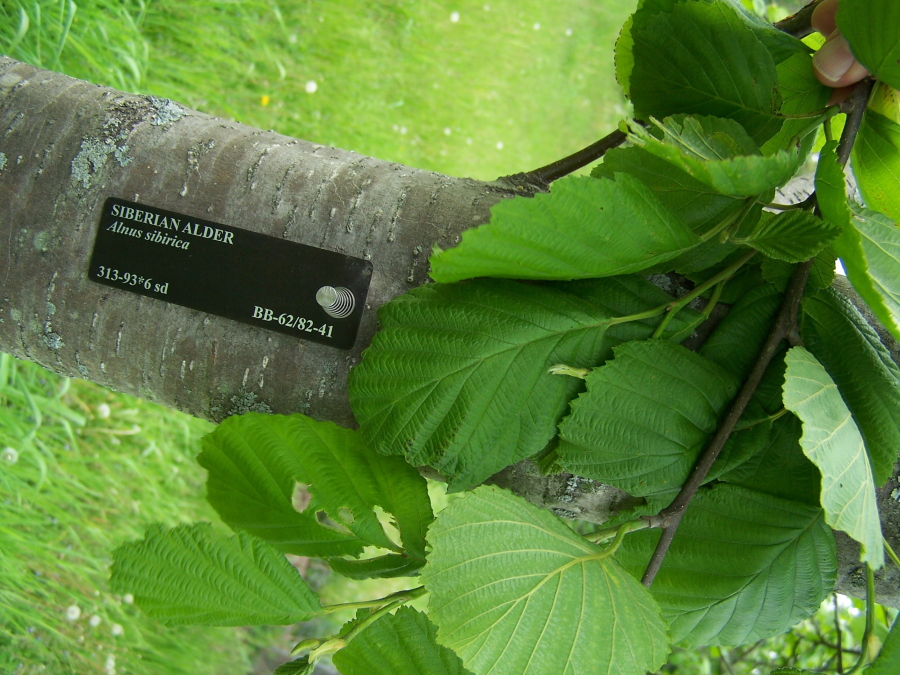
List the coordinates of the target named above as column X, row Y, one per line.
column 68, row 145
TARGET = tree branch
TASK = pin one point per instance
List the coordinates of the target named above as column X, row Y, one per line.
column 539, row 180
column 800, row 24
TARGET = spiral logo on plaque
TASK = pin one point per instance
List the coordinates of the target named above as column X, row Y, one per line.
column 337, row 302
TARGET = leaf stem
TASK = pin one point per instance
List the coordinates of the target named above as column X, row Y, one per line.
column 870, row 622
column 840, row 637
column 405, row 596
column 619, row 531
column 891, row 554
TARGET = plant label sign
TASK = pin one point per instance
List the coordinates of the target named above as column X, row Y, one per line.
column 264, row 281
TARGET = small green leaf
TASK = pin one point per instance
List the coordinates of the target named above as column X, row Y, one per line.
column 457, row 378
column 646, row 417
column 403, row 643
column 792, row 236
column 298, row 667
column 833, row 443
column 515, row 591
column 191, row 575
column 255, row 462
column 745, row 566
column 888, row 660
column 802, row 93
column 876, row 164
column 868, row 379
column 872, row 27
column 575, row 232
column 718, row 153
column 869, row 245
column 668, row 49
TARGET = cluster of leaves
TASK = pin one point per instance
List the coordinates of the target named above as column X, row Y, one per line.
column 544, row 338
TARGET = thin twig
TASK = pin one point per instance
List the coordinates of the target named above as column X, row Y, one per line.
column 800, row 24
column 540, row 179
column 784, row 328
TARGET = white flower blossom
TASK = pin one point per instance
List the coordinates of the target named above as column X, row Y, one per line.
column 117, row 629
column 9, row 455
column 103, row 411
column 73, row 612
column 95, row 621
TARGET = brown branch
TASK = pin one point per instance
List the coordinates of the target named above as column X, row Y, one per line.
column 800, row 24
column 784, row 328
column 538, row 180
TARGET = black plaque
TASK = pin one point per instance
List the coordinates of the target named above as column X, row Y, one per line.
column 264, row 281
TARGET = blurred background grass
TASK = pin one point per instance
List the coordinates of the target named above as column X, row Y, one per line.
column 477, row 89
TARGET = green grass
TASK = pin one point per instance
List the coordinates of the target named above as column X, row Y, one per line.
column 91, row 470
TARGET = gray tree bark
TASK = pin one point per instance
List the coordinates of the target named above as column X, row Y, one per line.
column 67, row 145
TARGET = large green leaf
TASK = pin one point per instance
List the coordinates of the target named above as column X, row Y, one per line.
column 695, row 203
column 515, row 591
column 668, row 51
column 888, row 660
column 574, row 232
column 192, row 575
column 872, row 27
column 876, row 163
column 718, row 153
column 255, row 462
column 780, row 45
column 791, row 236
column 780, row 469
column 745, row 566
column 458, row 376
column 403, row 643
column 868, row 379
column 869, row 245
column 738, row 339
column 833, row 443
column 646, row 417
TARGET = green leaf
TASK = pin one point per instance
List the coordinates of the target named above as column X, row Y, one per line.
column 646, row 417
column 779, row 273
column 696, row 204
column 780, row 45
column 802, row 93
column 833, row 443
column 404, row 643
column 738, row 339
column 299, row 667
column 669, row 49
column 574, row 232
column 872, row 27
column 458, row 376
column 191, row 575
column 780, row 469
column 888, row 660
column 869, row 245
column 386, row 566
column 876, row 163
column 792, row 236
column 515, row 591
column 868, row 379
column 745, row 566
column 255, row 462
column 718, row 153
